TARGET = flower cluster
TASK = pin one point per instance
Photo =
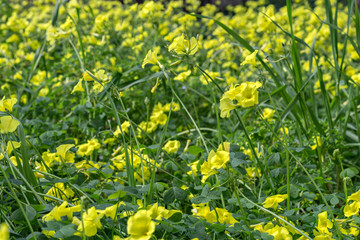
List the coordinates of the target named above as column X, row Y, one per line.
column 246, row 95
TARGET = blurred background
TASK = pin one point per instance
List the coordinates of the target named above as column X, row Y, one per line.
column 224, row 3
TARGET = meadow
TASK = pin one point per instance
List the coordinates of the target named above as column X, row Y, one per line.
column 175, row 120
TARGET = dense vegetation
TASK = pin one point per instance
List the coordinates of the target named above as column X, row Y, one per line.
column 177, row 121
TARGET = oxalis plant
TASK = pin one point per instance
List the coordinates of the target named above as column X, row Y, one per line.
column 178, row 120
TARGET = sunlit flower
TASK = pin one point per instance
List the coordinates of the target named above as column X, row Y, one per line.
column 268, row 113
column 250, row 59
column 140, row 226
column 90, row 222
column 8, row 124
column 352, row 209
column 7, row 104
column 273, row 201
column 151, row 57
column 4, row 232
column 246, row 95
column 172, row 146
column 182, row 46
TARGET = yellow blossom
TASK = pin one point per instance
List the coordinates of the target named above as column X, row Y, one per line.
column 124, row 127
column 172, row 146
column 355, row 196
column 246, row 95
column 90, row 222
column 140, row 226
column 78, row 87
column 226, row 105
column 183, row 76
column 253, row 172
column 87, row 76
column 317, row 142
column 63, row 149
column 324, row 223
column 8, row 124
column 273, row 201
column 7, row 104
column 206, row 171
column 250, row 59
column 352, row 209
column 60, row 191
column 182, row 46
column 151, row 57
column 268, row 113
column 219, row 159
column 279, row 233
column 4, row 232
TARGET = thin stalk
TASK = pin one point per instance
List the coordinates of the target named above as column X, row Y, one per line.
column 18, row 201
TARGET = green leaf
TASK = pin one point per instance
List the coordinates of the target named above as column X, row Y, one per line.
column 118, row 194
column 176, row 217
column 195, row 150
column 65, row 231
column 237, row 158
column 334, row 201
column 174, row 193
column 350, row 172
column 17, row 215
column 30, row 212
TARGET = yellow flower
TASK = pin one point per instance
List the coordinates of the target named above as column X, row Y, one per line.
column 60, row 191
column 124, row 127
column 43, row 92
column 149, row 127
column 226, row 105
column 151, row 57
column 253, row 172
column 279, row 233
column 225, row 146
column 175, row 107
column 10, row 147
column 352, row 209
column 183, row 46
column 88, row 148
column 273, row 201
column 78, row 87
column 268, row 113
column 317, row 142
column 322, row 236
column 172, row 146
column 182, row 76
column 60, row 211
column 140, row 226
column 206, row 171
column 246, row 95
column 8, row 124
column 355, row 196
column 101, row 75
column 87, row 76
column 219, row 159
column 157, row 212
column 224, row 216
column 158, row 118
column 250, row 59
column 324, row 223
column 193, row 167
column 90, row 222
column 7, row 104
column 4, row 232
column 63, row 149
column 112, row 210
